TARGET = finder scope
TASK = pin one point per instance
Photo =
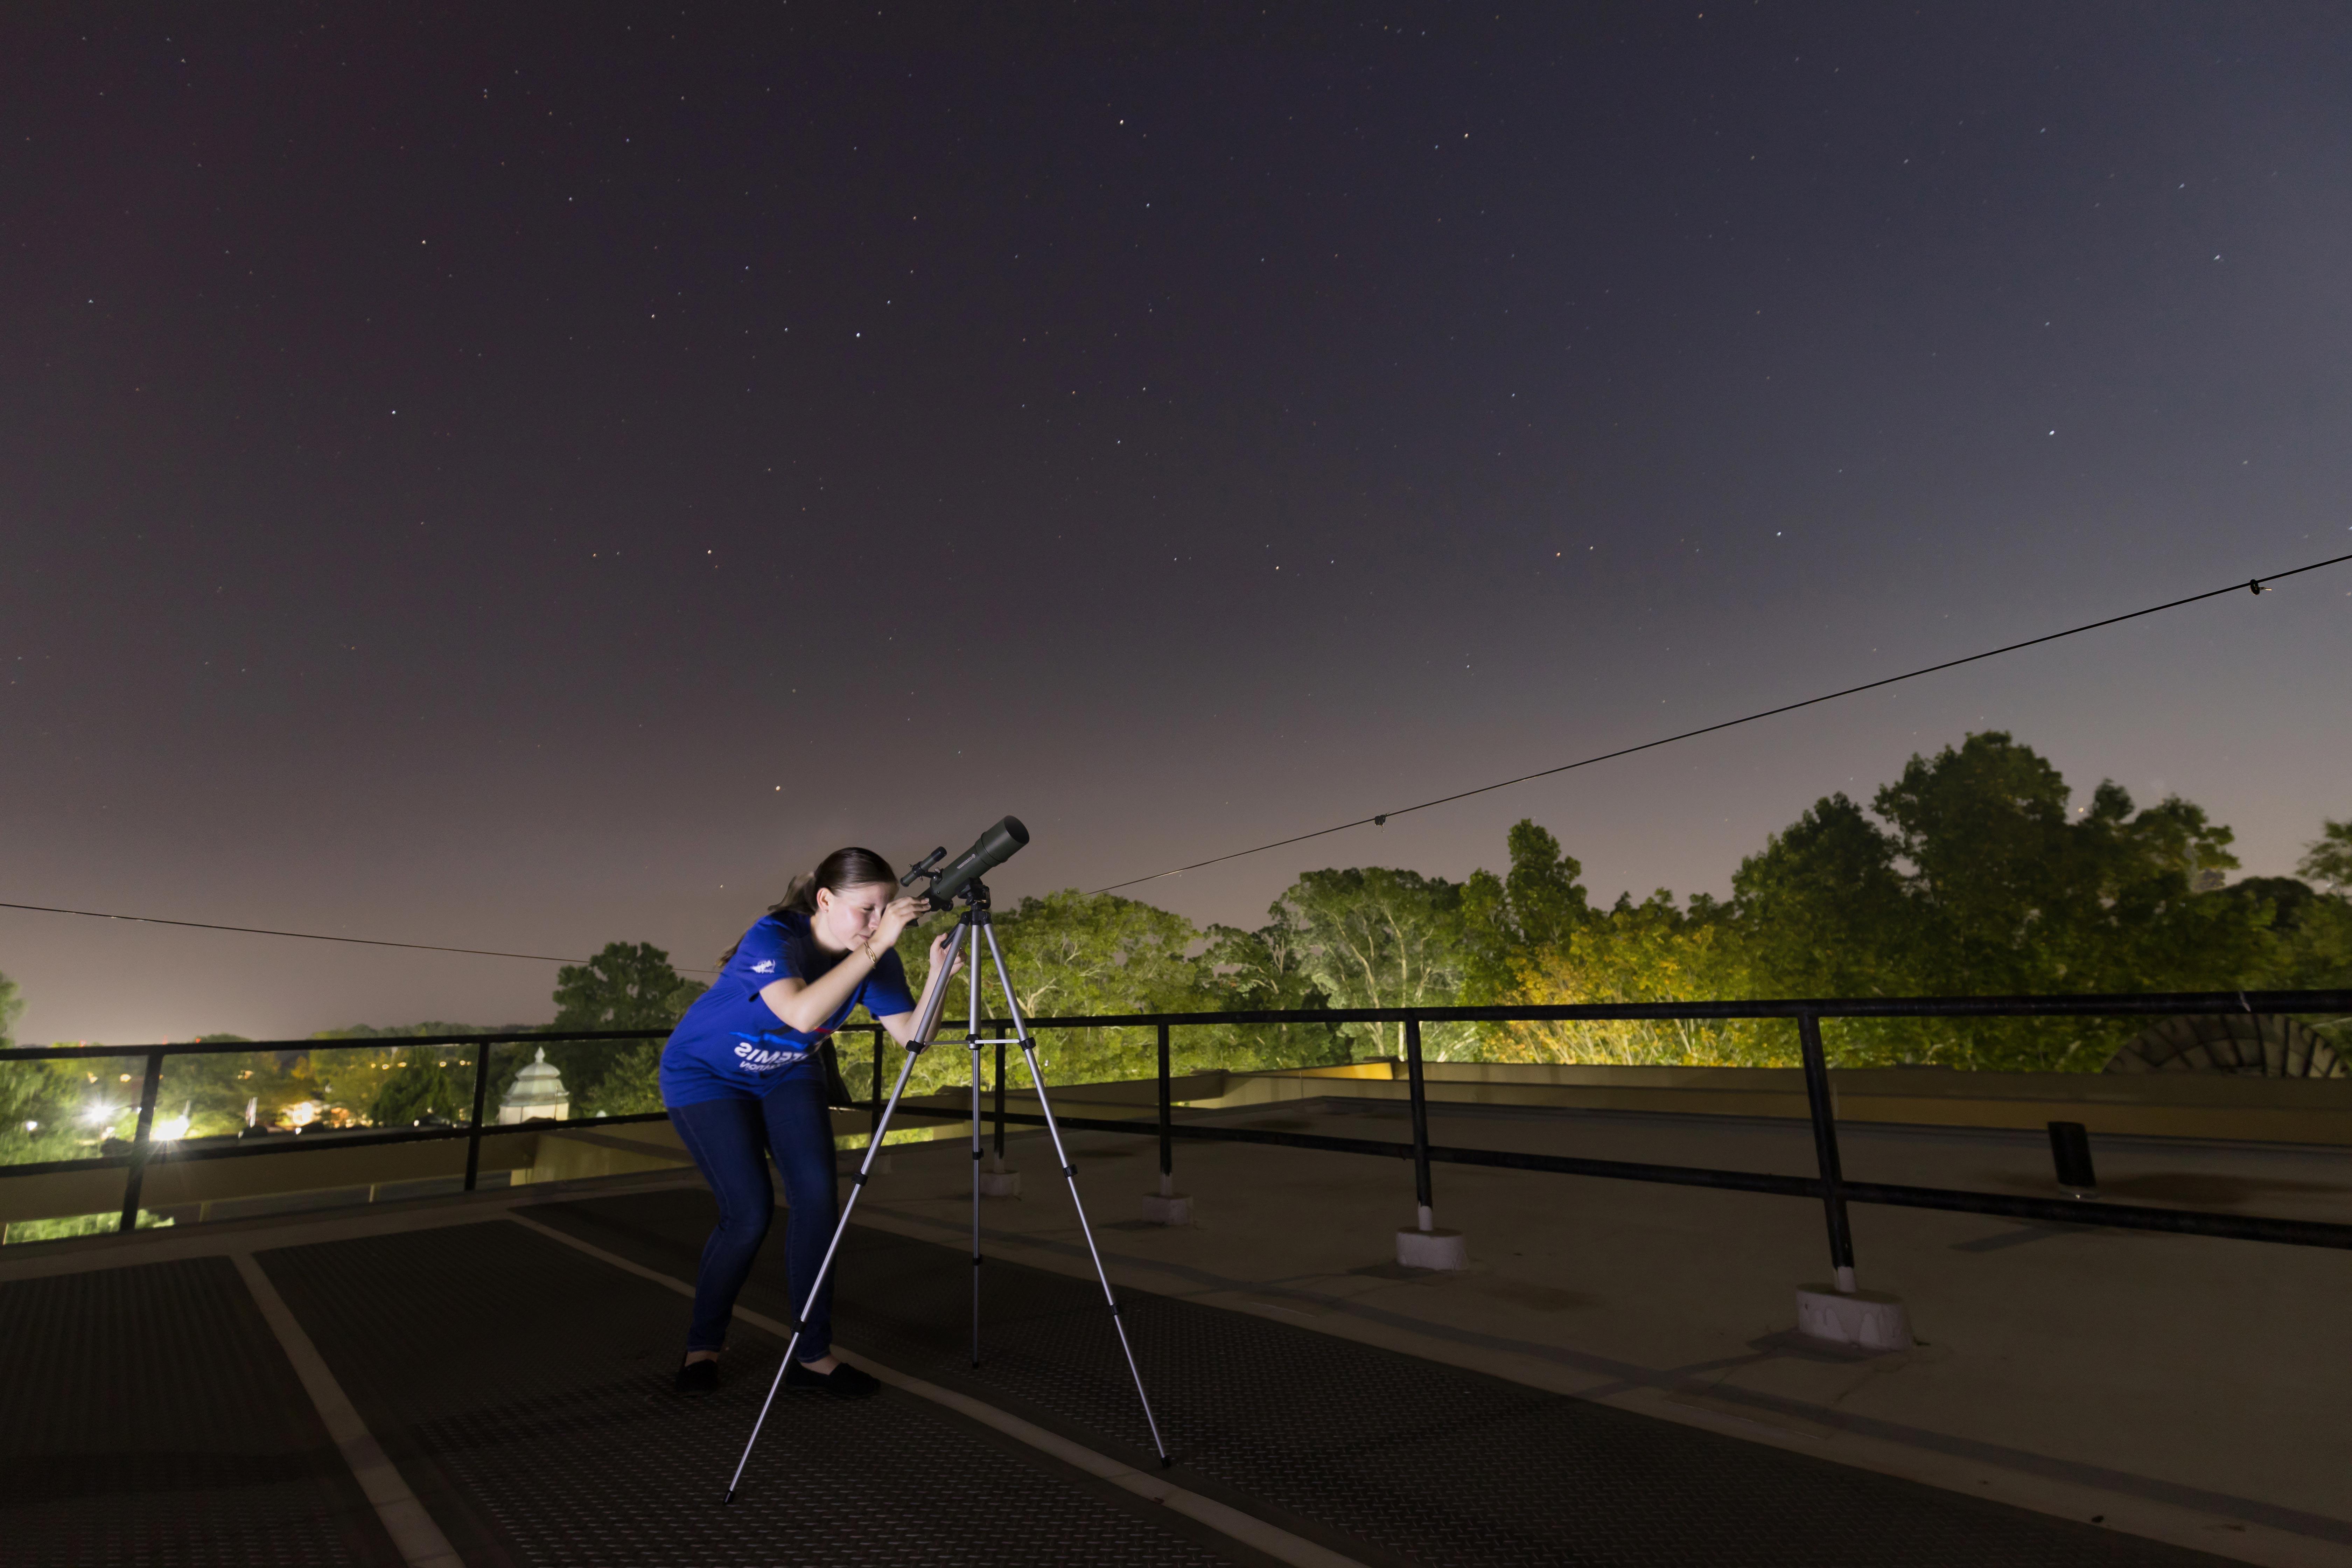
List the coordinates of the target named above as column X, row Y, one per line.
column 990, row 850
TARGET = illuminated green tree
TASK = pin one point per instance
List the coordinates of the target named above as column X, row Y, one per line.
column 1973, row 873
column 2328, row 858
column 629, row 985
column 1534, row 906
column 1072, row 954
column 1824, row 910
column 1266, row 971
column 1533, row 936
column 38, row 1105
column 1654, row 951
column 630, row 1087
column 38, row 1100
column 212, row 1090
column 2312, row 930
column 421, row 1086
column 1979, row 876
column 349, row 1080
column 1376, row 937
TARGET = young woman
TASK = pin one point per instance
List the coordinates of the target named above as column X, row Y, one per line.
column 742, row 1079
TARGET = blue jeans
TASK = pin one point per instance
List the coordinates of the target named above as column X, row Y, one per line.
column 730, row 1140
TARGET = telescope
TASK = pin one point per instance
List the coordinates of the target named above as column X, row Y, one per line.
column 990, row 850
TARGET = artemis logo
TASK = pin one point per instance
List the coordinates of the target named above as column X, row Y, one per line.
column 754, row 1059
column 765, row 966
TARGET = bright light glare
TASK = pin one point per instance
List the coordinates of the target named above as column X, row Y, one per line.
column 99, row 1115
column 32, row 1127
column 174, row 1129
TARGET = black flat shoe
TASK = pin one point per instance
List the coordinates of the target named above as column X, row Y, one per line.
column 698, row 1377
column 844, row 1382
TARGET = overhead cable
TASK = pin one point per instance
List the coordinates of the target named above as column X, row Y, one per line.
column 2256, row 585
column 303, row 935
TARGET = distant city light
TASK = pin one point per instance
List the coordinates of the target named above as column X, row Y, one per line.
column 32, row 1127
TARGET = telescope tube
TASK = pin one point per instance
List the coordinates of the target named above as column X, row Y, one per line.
column 990, row 850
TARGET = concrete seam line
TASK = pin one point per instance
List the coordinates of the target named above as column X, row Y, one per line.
column 1245, row 1528
column 419, row 1540
column 1248, row 1529
column 667, row 1281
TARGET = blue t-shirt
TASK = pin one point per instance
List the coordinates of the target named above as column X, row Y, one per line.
column 732, row 1045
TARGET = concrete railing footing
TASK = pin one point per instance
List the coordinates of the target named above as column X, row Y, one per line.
column 1429, row 1245
column 996, row 1182
column 1168, row 1208
column 1860, row 1320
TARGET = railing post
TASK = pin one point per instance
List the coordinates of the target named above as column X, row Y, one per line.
column 481, row 1101
column 1166, row 1124
column 1825, row 1148
column 1420, row 1124
column 136, row 1177
column 2070, row 1156
column 1426, row 1246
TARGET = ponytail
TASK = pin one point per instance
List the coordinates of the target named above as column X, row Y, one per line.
column 800, row 896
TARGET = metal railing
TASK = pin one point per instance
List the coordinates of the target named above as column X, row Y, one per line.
column 1829, row 1186
column 145, row 1148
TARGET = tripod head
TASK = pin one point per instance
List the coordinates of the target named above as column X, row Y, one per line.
column 961, row 879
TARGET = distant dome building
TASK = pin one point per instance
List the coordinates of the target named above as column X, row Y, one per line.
column 538, row 1091
column 2246, row 1045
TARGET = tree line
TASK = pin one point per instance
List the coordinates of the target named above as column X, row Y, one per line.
column 1975, row 872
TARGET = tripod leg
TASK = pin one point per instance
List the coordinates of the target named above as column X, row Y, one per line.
column 972, row 1036
column 922, row 1038
column 1070, row 1175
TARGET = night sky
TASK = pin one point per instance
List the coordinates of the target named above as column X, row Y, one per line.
column 532, row 477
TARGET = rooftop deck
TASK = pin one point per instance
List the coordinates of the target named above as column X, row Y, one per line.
column 484, row 1379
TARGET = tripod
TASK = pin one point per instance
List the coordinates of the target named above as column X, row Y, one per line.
column 972, row 926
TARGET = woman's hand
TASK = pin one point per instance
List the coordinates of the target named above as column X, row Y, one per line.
column 902, row 1025
column 900, row 915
